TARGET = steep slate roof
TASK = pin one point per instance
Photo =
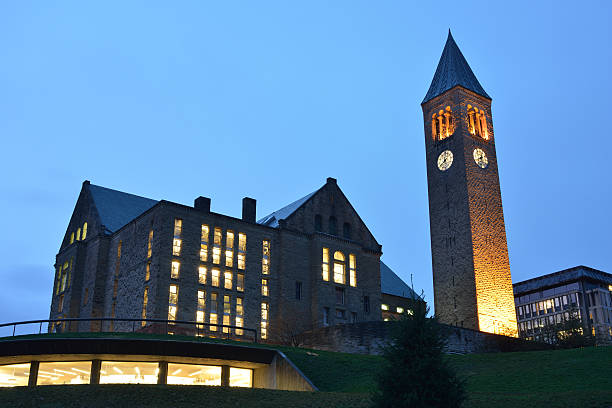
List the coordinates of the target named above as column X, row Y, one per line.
column 117, row 208
column 453, row 70
column 391, row 284
column 271, row 220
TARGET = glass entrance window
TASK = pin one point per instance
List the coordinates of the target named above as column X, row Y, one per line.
column 65, row 372
column 240, row 377
column 192, row 374
column 124, row 372
column 14, row 375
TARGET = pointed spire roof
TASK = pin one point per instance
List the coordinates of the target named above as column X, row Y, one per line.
column 453, row 70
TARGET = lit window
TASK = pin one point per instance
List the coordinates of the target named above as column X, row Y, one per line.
column 241, row 261
column 202, row 275
column 227, row 308
column 122, row 372
column 229, row 249
column 384, row 307
column 217, row 246
column 339, row 274
column 264, row 287
column 149, row 245
column 216, row 255
column 60, row 304
column 14, row 375
column 215, row 273
column 172, row 302
column 84, row 231
column 240, row 282
column 217, row 236
column 229, row 258
column 241, row 251
column 204, row 244
column 72, row 237
column 78, row 234
column 229, row 240
column 352, row 270
column 148, row 271
column 264, row 320
column 265, row 259
column 477, row 122
column 201, row 307
column 213, row 312
column 240, row 377
column 325, row 264
column 178, row 227
column 60, row 373
column 442, row 125
column 177, row 242
column 227, row 283
column 239, row 306
column 192, row 374
column 174, row 272
column 399, row 309
column 145, row 301
column 176, row 246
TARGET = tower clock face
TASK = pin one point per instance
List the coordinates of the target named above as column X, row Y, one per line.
column 445, row 160
column 480, row 158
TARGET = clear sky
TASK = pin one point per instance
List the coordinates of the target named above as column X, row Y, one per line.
column 226, row 99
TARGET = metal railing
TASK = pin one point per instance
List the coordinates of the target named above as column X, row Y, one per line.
column 150, row 326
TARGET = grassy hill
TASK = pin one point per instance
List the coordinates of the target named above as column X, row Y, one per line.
column 561, row 378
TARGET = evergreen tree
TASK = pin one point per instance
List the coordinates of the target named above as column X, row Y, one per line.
column 417, row 372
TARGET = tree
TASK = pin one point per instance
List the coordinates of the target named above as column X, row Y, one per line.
column 416, row 371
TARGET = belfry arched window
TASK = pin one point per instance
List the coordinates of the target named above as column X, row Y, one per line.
column 442, row 124
column 339, row 268
column 477, row 122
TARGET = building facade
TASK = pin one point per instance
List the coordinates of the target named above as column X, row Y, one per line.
column 310, row 264
column 471, row 271
column 548, row 300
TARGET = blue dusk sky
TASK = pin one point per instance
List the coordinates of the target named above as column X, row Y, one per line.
column 266, row 99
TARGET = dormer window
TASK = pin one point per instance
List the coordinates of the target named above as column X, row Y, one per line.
column 442, row 124
column 477, row 122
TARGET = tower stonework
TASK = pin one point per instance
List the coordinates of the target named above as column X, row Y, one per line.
column 471, row 270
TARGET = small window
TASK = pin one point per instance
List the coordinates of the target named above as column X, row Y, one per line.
column 240, row 282
column 298, row 290
column 325, row 264
column 333, row 225
column 215, row 274
column 84, row 231
column 346, row 230
column 264, row 287
column 340, row 296
column 174, row 271
column 228, row 280
column 399, row 310
column 326, row 316
column 341, row 314
column 384, row 307
column 318, row 223
column 366, row 304
column 202, row 275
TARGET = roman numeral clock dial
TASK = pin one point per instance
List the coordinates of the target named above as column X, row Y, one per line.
column 480, row 158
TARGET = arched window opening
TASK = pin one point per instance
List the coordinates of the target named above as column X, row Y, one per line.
column 339, row 268
column 477, row 122
column 346, row 230
column 333, row 227
column 318, row 223
column 442, row 124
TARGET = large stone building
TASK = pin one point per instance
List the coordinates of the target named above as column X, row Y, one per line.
column 471, row 271
column 310, row 264
column 545, row 302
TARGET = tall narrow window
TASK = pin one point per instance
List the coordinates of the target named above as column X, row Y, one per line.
column 339, row 269
column 346, row 230
column 175, row 269
column 172, row 302
column 84, row 231
column 215, row 273
column 352, row 270
column 326, row 316
column 298, row 290
column 318, row 223
column 217, row 246
column 265, row 259
column 78, row 235
column 202, row 275
column 264, row 287
column 227, row 281
column 240, row 282
column 60, row 305
column 264, row 320
column 340, row 296
column 149, row 245
column 200, row 311
column 366, row 304
column 229, row 249
column 241, row 251
column 72, row 237
column 213, row 312
column 204, row 243
column 325, row 264
column 239, row 315
column 145, row 301
column 227, row 309
column 148, row 271
column 333, row 225
column 177, row 242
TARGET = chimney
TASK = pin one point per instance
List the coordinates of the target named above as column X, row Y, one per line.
column 249, row 209
column 202, row 204
column 331, row 180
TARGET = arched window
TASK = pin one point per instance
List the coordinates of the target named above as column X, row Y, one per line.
column 318, row 223
column 339, row 268
column 477, row 122
column 442, row 125
column 346, row 230
column 333, row 227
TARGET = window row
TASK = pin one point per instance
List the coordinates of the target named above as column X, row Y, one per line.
column 213, row 278
column 122, row 372
column 477, row 122
column 548, row 306
column 81, row 234
column 339, row 268
column 398, row 309
column 332, row 226
column 550, row 320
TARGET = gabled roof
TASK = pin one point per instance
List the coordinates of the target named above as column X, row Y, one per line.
column 391, row 284
column 453, row 70
column 117, row 208
column 271, row 220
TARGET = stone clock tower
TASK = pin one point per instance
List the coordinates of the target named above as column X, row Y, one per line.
column 471, row 271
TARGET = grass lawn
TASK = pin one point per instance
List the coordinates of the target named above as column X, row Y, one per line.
column 561, row 378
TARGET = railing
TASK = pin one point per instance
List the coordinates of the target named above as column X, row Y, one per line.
column 153, row 326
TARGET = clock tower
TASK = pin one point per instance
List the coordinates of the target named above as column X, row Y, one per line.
column 471, row 270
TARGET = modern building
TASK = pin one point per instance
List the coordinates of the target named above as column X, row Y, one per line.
column 310, row 264
column 549, row 299
column 471, row 270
